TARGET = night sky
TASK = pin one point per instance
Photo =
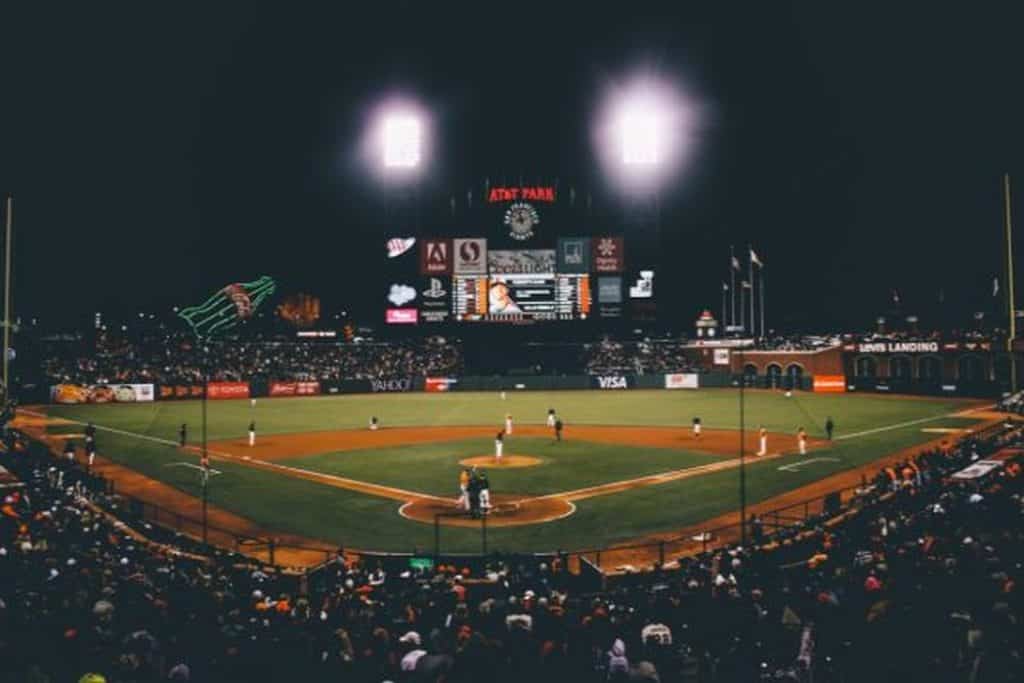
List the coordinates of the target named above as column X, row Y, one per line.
column 154, row 156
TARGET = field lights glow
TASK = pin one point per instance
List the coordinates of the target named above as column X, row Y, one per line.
column 402, row 138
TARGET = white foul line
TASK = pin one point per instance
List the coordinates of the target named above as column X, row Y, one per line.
column 900, row 425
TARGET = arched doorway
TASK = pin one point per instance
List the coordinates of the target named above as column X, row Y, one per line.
column 866, row 367
column 794, row 375
column 750, row 375
column 900, row 368
column 774, row 375
column 929, row 369
column 970, row 368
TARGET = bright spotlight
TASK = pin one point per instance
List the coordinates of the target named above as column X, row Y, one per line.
column 644, row 132
column 402, row 137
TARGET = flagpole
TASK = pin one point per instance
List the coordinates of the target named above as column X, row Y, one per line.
column 1009, row 282
column 753, row 321
column 743, row 308
column 725, row 323
column 732, row 284
column 7, row 293
column 760, row 284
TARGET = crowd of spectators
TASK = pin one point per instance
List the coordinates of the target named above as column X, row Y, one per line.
column 608, row 357
column 920, row 581
column 177, row 359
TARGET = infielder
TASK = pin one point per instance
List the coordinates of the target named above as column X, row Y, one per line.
column 801, row 437
column 252, row 433
column 551, row 417
column 499, row 445
column 763, row 436
column 696, row 427
column 508, row 423
column 373, row 423
column 463, row 502
column 485, row 492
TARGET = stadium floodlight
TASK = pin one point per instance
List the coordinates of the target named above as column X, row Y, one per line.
column 395, row 147
column 645, row 131
column 402, row 138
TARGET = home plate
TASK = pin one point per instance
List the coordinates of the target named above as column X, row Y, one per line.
column 943, row 430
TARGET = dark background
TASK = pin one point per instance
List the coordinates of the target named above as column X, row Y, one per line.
column 155, row 154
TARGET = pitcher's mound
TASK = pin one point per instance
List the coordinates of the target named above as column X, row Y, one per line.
column 508, row 509
column 506, row 462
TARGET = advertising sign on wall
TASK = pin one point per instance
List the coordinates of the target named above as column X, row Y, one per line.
column 435, row 300
column 574, row 255
column 294, row 388
column 401, row 316
column 611, row 382
column 721, row 357
column 682, row 380
column 521, row 261
column 470, row 256
column 829, row 384
column 101, row 393
column 439, row 384
column 168, row 391
column 609, row 254
column 379, row 386
column 224, row 390
column 436, row 256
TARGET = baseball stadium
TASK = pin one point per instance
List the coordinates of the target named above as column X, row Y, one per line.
column 585, row 363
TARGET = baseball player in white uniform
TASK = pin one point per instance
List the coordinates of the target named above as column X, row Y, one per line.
column 696, row 427
column 499, row 445
column 252, row 432
column 508, row 423
column 551, row 417
column 763, row 438
column 801, row 436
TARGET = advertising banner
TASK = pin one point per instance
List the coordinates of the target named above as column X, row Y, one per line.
column 379, row 386
column 522, row 261
column 224, row 390
column 721, row 357
column 681, row 380
column 610, row 382
column 609, row 254
column 435, row 300
column 101, row 393
column 294, row 388
column 469, row 256
column 169, row 392
column 573, row 255
column 436, row 256
column 401, row 316
column 439, row 384
column 830, row 384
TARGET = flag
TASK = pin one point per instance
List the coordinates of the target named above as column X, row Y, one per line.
column 747, row 285
column 753, row 259
column 735, row 263
column 227, row 306
column 896, row 297
column 725, row 287
column 995, row 286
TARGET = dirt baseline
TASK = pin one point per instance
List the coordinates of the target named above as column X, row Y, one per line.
column 507, row 462
column 508, row 510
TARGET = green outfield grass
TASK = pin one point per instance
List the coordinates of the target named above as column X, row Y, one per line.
column 868, row 427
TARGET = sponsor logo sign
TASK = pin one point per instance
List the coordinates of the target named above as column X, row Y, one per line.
column 397, row 246
column 574, row 255
column 379, row 386
column 521, row 218
column 400, row 295
column 470, row 256
column 609, row 290
column 171, row 392
column 294, row 388
column 512, row 194
column 439, row 384
column 644, row 286
column 829, row 384
column 102, row 393
column 899, row 347
column 434, row 300
column 435, row 289
column 436, row 256
column 721, row 357
column 681, row 380
column 608, row 254
column 401, row 316
column 522, row 261
column 223, row 390
column 612, row 382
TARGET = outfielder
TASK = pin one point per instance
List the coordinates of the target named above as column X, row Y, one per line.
column 373, row 423
column 763, row 436
column 252, row 433
column 551, row 417
column 499, row 445
column 508, row 423
column 801, row 436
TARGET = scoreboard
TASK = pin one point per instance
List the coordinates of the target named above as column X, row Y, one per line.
column 521, row 297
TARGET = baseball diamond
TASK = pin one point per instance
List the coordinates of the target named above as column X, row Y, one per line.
column 628, row 467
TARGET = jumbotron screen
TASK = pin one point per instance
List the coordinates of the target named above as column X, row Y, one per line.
column 518, row 297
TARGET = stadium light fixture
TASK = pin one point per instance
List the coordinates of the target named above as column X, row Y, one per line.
column 645, row 131
column 402, row 136
column 396, row 145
